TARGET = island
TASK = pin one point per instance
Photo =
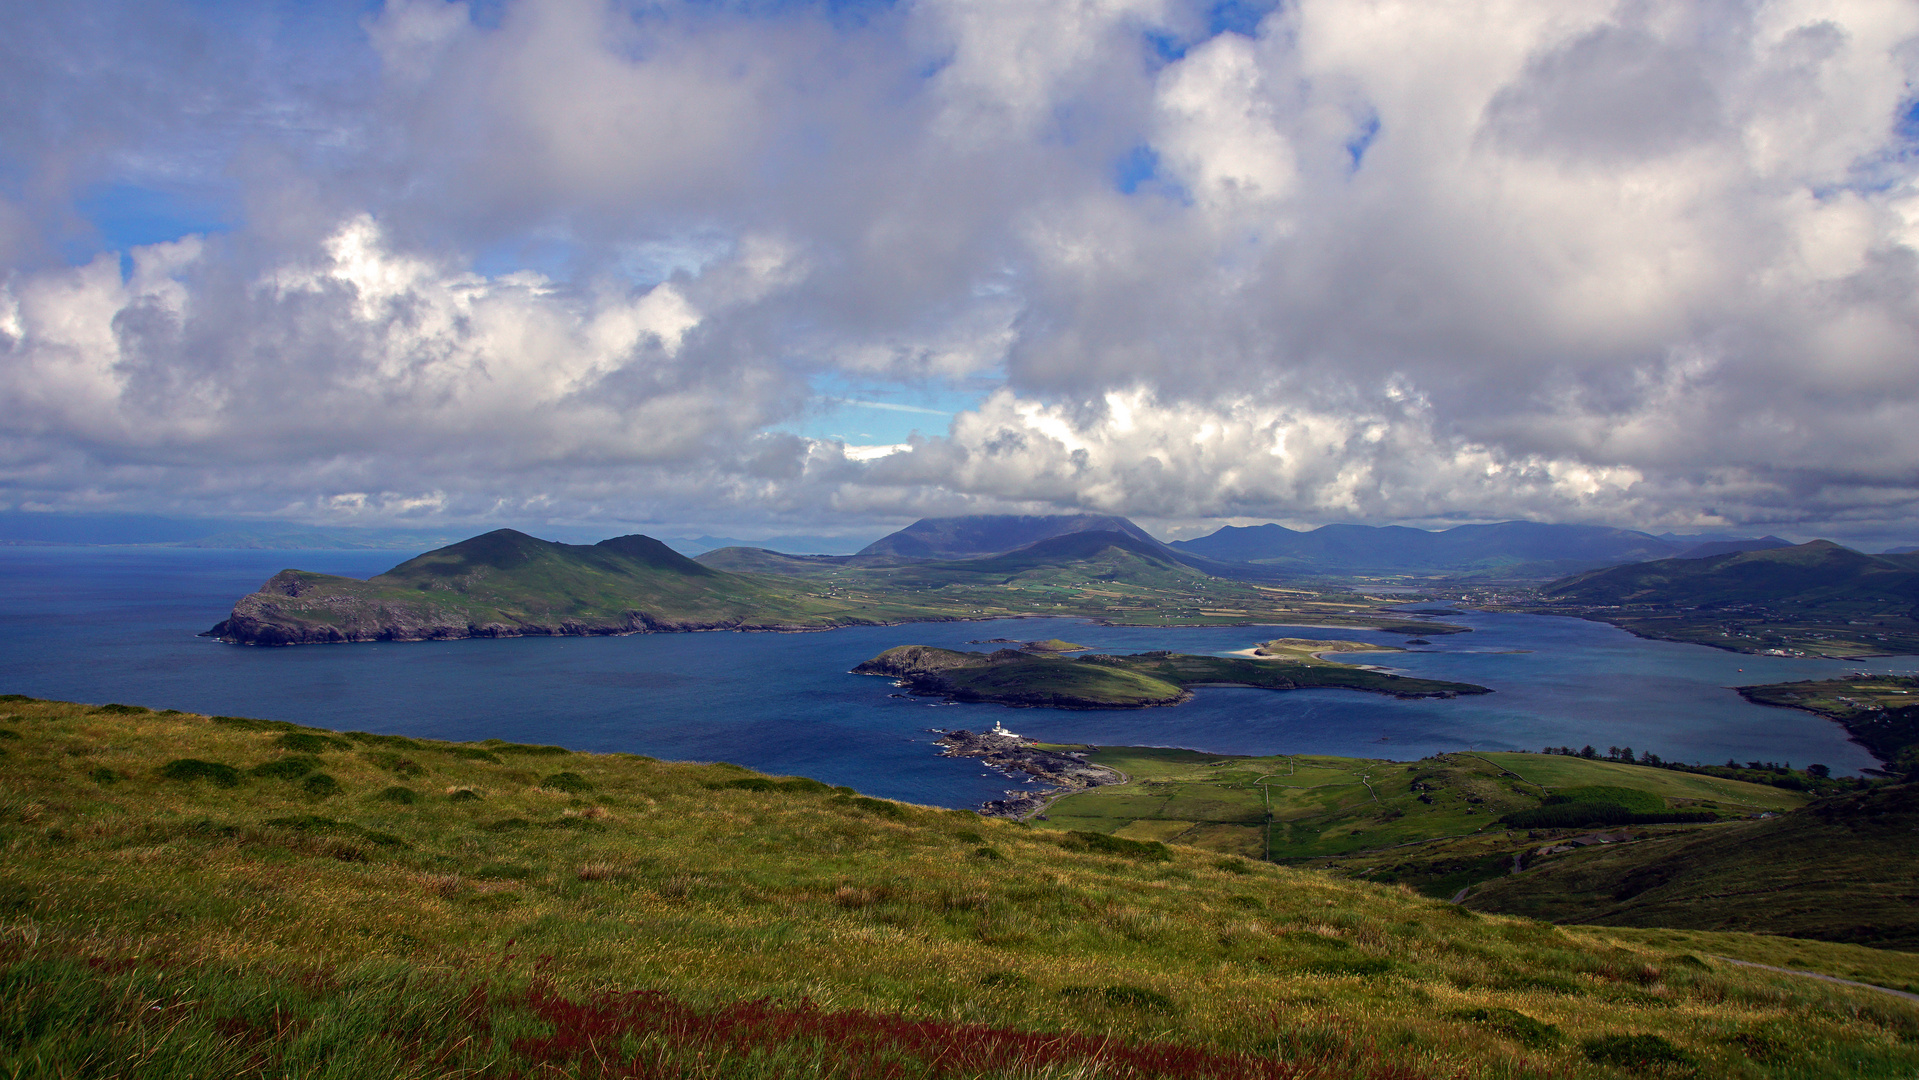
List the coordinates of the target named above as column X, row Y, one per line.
column 1100, row 681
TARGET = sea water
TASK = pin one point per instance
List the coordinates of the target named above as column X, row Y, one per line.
column 121, row 624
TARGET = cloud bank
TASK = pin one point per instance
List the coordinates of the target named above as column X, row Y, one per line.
column 1640, row 264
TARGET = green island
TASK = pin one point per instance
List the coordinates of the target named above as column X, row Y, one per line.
column 508, row 584
column 1879, row 712
column 1813, row 599
column 193, row 896
column 1099, row 681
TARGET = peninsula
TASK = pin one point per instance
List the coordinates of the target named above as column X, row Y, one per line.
column 1101, row 681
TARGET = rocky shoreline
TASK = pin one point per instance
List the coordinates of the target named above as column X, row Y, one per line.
column 1010, row 753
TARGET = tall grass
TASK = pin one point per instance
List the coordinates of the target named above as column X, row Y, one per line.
column 662, row 919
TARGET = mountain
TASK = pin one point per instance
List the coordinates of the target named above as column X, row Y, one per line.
column 1521, row 548
column 508, row 584
column 1842, row 869
column 1813, row 599
column 988, row 534
column 1104, row 555
column 1819, row 573
column 1732, row 547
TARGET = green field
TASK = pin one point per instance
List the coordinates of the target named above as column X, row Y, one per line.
column 186, row 896
column 1296, row 807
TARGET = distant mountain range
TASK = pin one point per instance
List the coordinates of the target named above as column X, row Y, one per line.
column 1514, row 549
column 1508, row 549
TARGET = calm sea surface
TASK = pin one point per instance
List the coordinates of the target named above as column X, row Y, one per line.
column 119, row 624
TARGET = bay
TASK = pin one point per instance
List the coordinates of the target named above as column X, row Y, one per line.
column 120, row 624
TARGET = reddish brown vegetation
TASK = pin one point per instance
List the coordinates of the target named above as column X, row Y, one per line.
column 601, row 1034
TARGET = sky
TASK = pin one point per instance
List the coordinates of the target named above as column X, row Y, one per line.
column 754, row 266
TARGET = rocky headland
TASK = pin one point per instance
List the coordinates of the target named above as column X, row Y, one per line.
column 1061, row 772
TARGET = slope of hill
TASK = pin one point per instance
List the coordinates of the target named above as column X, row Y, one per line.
column 509, row 584
column 1731, row 547
column 1517, row 548
column 1845, row 868
column 1817, row 598
column 191, row 896
column 988, row 534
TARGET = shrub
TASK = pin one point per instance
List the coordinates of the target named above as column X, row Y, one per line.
column 8, row 733
column 1634, row 1052
column 405, row 796
column 987, row 853
column 393, row 763
column 792, row 784
column 104, row 775
column 117, row 709
column 474, row 753
column 191, row 769
column 463, row 794
column 1233, row 866
column 872, row 806
column 320, row 785
column 305, row 742
column 291, row 767
column 1100, row 843
column 570, row 782
column 247, row 723
column 1516, row 1026
column 503, row 747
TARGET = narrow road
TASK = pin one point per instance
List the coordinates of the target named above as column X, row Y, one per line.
column 1816, row 975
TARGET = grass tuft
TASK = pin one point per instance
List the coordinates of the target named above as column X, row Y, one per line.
column 188, row 770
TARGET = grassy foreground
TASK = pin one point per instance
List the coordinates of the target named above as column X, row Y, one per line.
column 193, row 896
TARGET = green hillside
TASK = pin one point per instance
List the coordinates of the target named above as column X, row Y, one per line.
column 1817, row 599
column 1297, row 807
column 1845, row 868
column 186, row 896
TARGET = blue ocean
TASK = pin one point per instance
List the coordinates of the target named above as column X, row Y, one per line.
column 121, row 624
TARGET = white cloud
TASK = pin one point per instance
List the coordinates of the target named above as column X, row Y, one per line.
column 1598, row 261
